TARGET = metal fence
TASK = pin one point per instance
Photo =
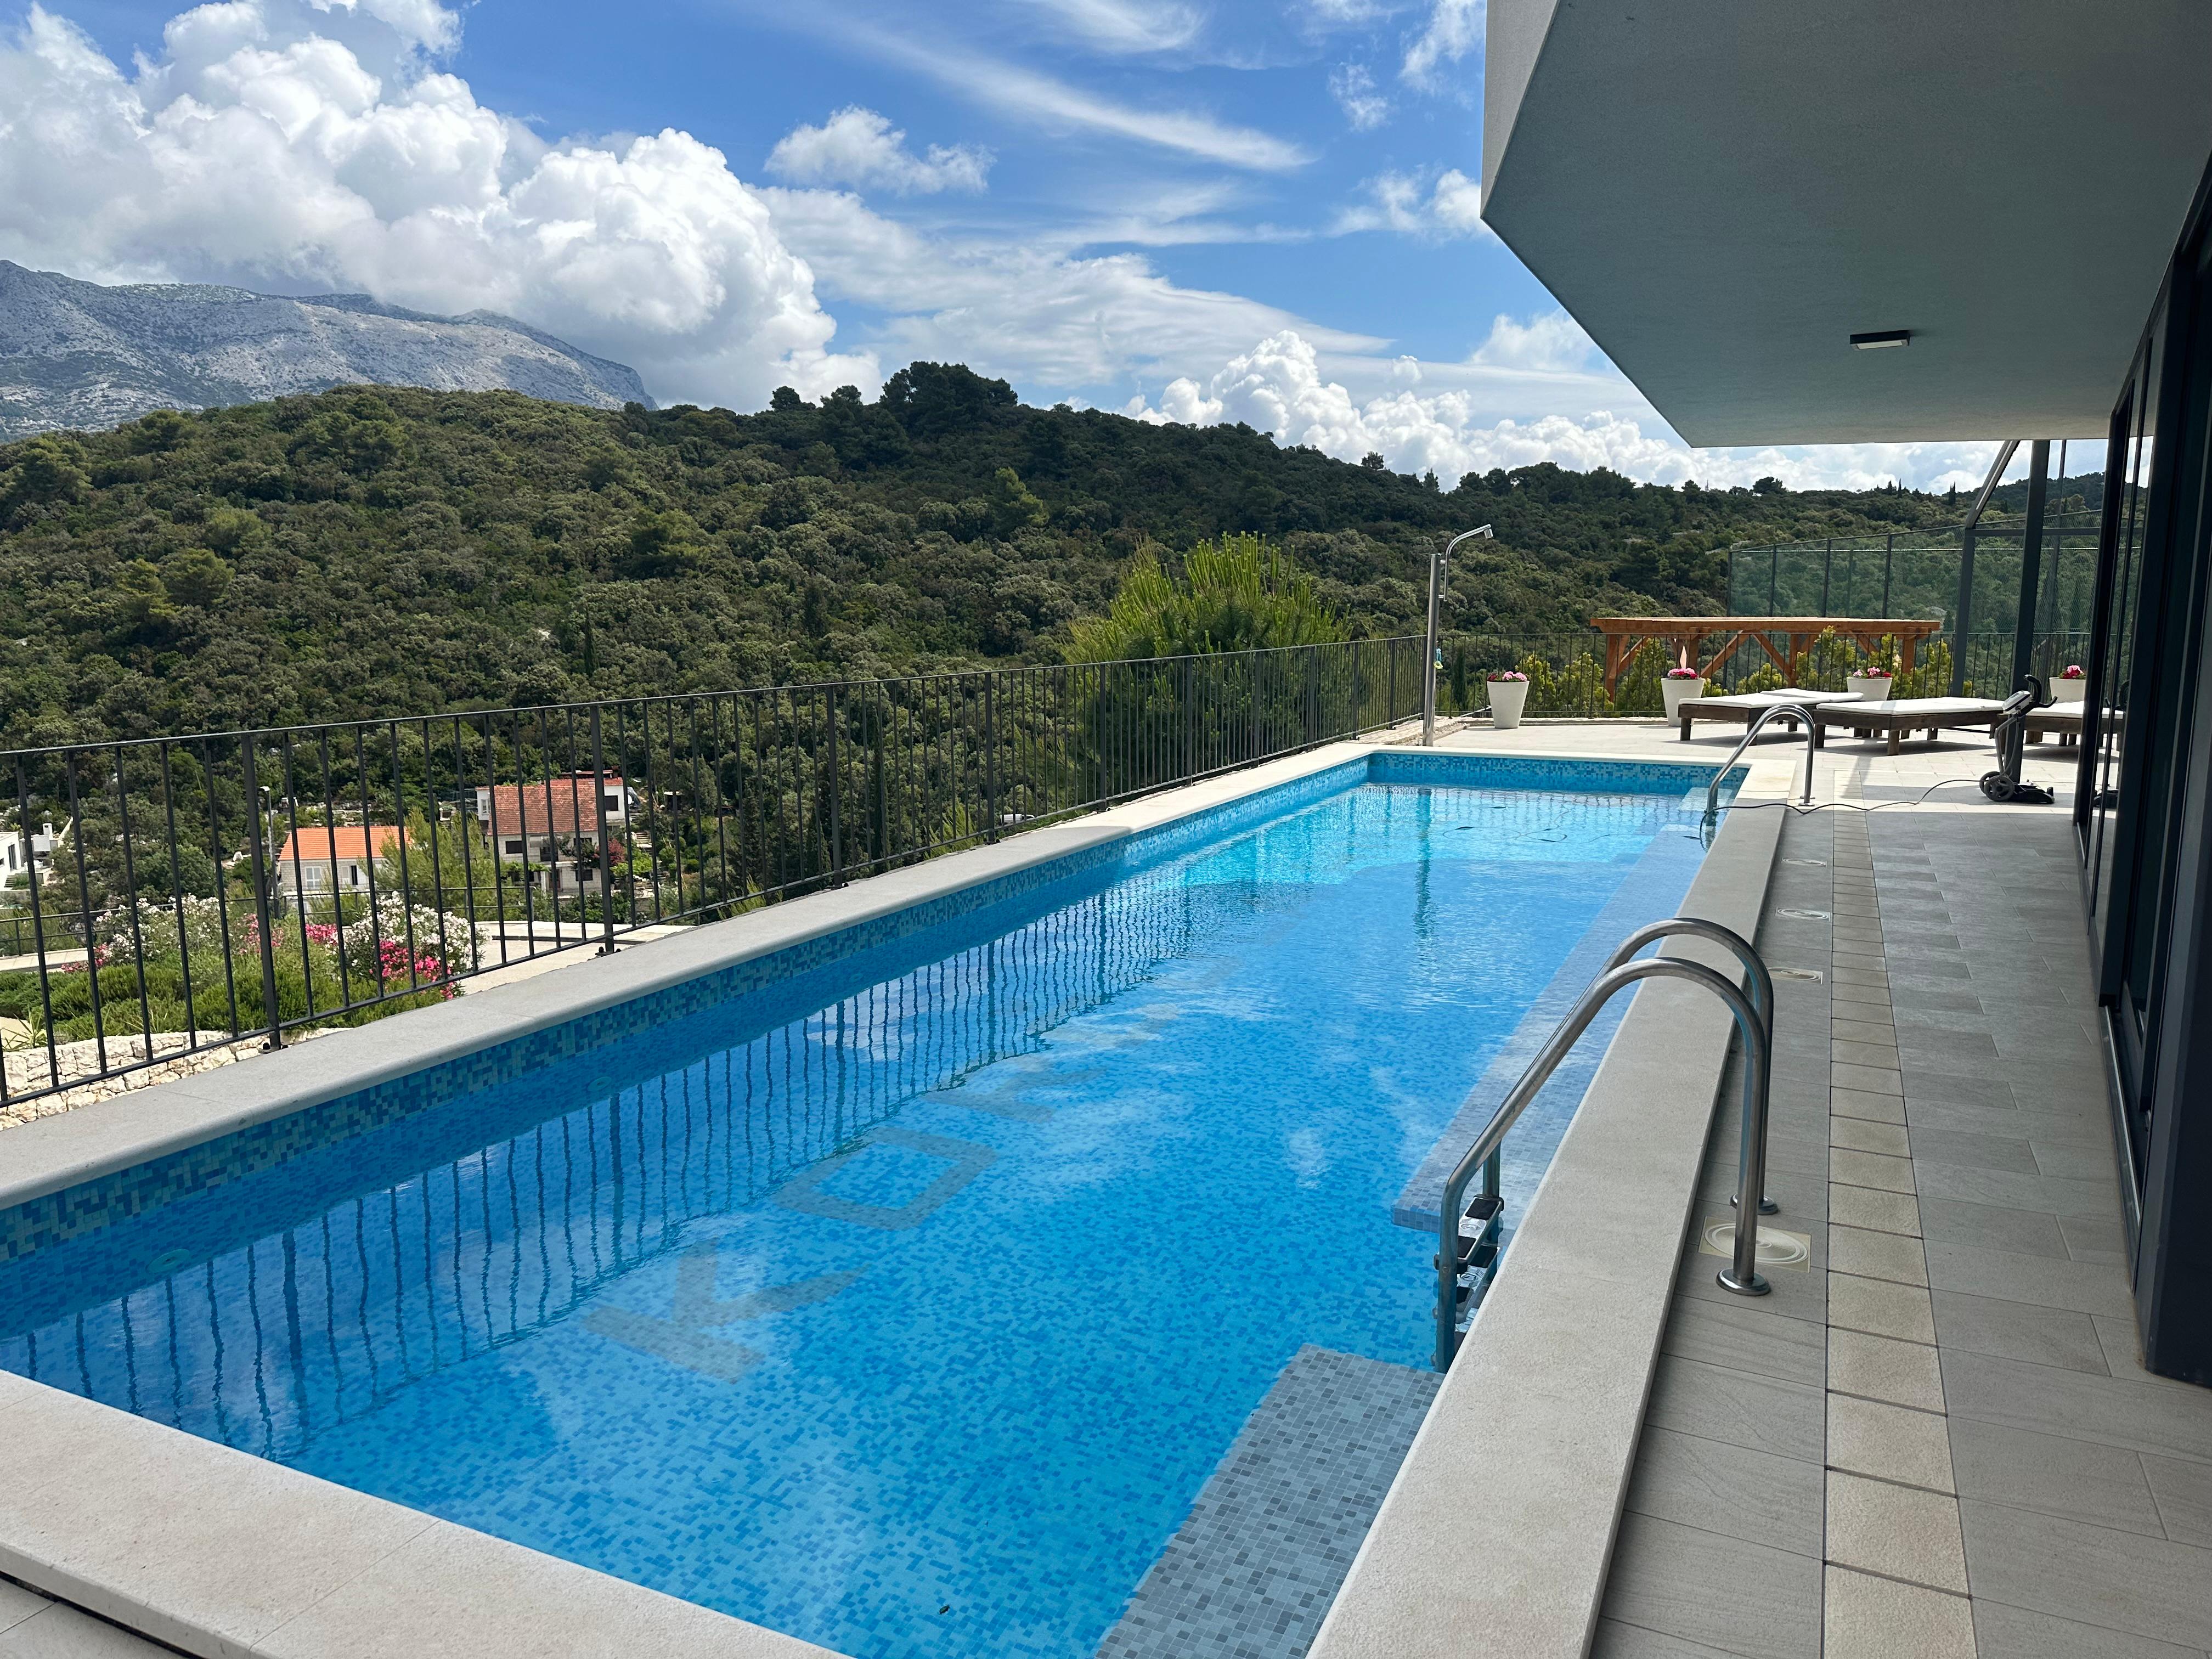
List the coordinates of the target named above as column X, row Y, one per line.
column 250, row 884
column 1567, row 670
column 1915, row 573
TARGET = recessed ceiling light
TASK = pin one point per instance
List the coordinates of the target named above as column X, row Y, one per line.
column 1892, row 337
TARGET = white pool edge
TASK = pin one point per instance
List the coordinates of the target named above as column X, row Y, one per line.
column 224, row 1555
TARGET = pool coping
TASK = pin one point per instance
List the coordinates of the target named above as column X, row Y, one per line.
column 1499, row 1531
column 222, row 1555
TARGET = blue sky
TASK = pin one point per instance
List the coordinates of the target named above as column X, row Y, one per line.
column 1181, row 209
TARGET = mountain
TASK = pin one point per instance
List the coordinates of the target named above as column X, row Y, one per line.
column 364, row 551
column 79, row 355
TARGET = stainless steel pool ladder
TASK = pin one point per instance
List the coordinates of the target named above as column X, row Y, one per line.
column 1802, row 711
column 1468, row 1230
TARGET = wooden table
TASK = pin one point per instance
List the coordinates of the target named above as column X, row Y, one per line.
column 1748, row 706
column 1895, row 719
column 1681, row 634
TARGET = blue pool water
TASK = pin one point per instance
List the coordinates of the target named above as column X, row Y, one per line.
column 903, row 1303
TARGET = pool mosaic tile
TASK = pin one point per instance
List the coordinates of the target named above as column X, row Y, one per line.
column 1251, row 1573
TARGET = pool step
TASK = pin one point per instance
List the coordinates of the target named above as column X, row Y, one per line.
column 1252, row 1570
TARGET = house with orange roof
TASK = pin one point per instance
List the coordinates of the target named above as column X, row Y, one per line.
column 317, row 859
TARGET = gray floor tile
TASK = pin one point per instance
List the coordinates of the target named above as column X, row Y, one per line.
column 1991, row 1227
column 17, row 1604
column 2183, row 1492
column 2054, row 1473
column 2085, row 1287
column 1763, row 1412
column 2095, row 1238
column 1732, row 1490
column 1742, row 1336
column 1977, row 1152
column 1936, row 1086
column 1742, row 1598
column 2012, row 1330
column 2140, row 1416
column 2069, row 1125
column 64, row 1632
column 2077, row 1160
column 1615, row 1640
column 2004, row 1633
column 2018, row 1192
column 2142, row 1586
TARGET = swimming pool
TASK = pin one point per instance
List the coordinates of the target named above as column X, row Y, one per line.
column 899, row 1292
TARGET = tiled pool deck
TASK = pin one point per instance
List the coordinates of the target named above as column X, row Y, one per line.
column 1938, row 1440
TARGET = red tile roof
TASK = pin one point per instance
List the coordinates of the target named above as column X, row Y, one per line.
column 570, row 805
column 317, row 845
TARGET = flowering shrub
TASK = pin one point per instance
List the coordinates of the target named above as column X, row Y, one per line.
column 334, row 954
column 1498, row 674
column 1684, row 674
column 1876, row 672
column 2074, row 671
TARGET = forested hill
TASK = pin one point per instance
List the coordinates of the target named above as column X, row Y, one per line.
column 384, row 551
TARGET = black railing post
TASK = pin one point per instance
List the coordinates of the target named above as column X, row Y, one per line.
column 1391, row 713
column 605, row 838
column 991, row 750
column 837, row 789
column 262, row 924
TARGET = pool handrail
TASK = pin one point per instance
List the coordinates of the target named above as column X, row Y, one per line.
column 1741, row 1275
column 1762, row 993
column 1800, row 710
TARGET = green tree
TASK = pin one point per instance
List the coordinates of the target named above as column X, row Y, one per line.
column 1235, row 595
column 196, row 576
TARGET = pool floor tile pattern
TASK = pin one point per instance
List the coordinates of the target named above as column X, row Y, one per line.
column 1271, row 1534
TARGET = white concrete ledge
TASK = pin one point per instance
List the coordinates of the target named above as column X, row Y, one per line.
column 1495, row 1535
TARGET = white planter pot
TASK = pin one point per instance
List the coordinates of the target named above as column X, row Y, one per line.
column 1673, row 692
column 2068, row 691
column 1871, row 687
column 1507, row 699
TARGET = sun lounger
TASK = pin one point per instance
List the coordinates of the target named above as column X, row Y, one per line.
column 1745, row 708
column 2060, row 721
column 1894, row 720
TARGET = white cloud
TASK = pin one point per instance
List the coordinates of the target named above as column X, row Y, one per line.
column 1448, row 206
column 1056, row 105
column 1123, row 26
column 1363, row 105
column 1280, row 386
column 263, row 148
column 1050, row 320
column 859, row 147
column 1453, row 30
column 1551, row 342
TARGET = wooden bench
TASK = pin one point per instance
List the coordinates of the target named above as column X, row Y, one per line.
column 1894, row 720
column 1748, row 707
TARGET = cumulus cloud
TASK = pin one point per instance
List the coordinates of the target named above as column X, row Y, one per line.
column 298, row 145
column 1279, row 386
column 1450, row 205
column 1453, row 30
column 1353, row 87
column 859, row 147
column 1052, row 321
